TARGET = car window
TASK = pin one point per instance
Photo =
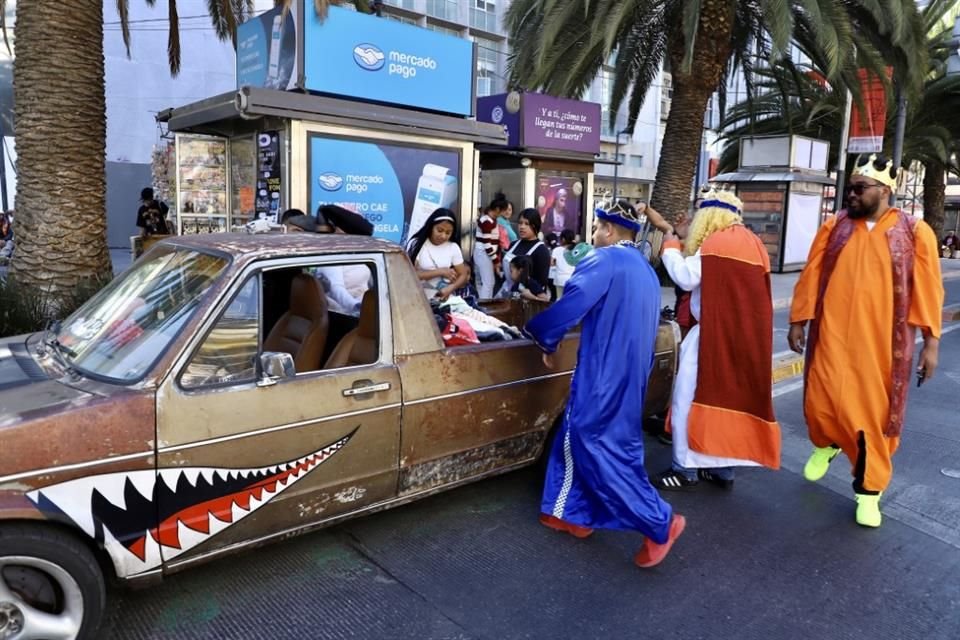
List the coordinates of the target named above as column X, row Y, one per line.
column 228, row 355
column 323, row 316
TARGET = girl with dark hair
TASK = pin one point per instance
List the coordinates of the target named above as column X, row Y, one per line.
column 529, row 244
column 507, row 235
column 486, row 250
column 524, row 286
column 435, row 252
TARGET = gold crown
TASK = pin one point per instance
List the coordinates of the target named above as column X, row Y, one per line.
column 876, row 168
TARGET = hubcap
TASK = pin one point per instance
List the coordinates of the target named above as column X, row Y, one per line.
column 39, row 600
column 11, row 620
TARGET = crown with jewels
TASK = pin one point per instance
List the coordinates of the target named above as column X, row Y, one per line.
column 721, row 199
column 876, row 167
column 622, row 214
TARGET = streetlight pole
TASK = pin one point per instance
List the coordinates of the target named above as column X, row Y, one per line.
column 616, row 166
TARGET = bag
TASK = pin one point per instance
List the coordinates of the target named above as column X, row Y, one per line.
column 458, row 332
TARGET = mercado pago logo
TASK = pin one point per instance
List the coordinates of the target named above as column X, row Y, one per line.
column 350, row 183
column 406, row 65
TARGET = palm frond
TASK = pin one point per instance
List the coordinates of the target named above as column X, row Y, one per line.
column 3, row 26
column 173, row 38
column 123, row 11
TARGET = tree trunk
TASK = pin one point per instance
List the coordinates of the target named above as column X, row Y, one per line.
column 934, row 193
column 691, row 93
column 60, row 125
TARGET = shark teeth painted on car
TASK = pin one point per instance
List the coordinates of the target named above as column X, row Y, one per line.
column 144, row 518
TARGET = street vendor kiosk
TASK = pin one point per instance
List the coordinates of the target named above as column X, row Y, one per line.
column 379, row 126
column 548, row 162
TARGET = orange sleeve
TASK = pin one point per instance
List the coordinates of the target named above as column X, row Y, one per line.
column 926, row 307
column 807, row 288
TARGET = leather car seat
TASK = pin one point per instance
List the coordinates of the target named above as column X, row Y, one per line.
column 302, row 331
column 359, row 346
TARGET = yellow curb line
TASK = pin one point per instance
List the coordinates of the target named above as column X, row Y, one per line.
column 787, row 367
column 791, row 366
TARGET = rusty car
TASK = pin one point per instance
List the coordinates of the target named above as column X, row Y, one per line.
column 216, row 397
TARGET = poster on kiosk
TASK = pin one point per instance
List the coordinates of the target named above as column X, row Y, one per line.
column 396, row 187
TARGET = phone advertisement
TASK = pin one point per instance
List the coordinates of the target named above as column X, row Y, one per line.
column 395, row 187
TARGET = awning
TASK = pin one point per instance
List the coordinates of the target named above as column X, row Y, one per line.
column 231, row 112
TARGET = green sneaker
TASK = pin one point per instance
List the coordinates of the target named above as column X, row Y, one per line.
column 819, row 462
column 868, row 510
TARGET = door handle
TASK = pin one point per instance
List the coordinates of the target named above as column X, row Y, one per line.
column 366, row 388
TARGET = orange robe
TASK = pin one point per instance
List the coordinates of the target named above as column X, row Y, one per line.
column 850, row 379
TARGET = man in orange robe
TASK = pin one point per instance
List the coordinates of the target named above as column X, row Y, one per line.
column 872, row 278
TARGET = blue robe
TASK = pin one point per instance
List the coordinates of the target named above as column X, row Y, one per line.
column 595, row 476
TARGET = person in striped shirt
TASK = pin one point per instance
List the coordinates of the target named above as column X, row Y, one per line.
column 486, row 251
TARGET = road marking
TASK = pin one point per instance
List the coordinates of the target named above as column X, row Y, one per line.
column 788, row 388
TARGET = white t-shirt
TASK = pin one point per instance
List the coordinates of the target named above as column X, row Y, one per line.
column 432, row 257
column 563, row 269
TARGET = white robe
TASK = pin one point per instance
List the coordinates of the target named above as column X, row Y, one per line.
column 686, row 274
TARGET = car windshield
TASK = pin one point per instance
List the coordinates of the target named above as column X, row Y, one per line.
column 121, row 331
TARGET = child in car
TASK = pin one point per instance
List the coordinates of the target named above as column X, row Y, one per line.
column 524, row 286
column 437, row 256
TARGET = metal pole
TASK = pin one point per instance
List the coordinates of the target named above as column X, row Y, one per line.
column 898, row 136
column 842, row 155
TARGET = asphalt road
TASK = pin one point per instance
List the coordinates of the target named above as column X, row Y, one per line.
column 777, row 557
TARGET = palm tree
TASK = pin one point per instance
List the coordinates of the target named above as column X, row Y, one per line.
column 561, row 45
column 795, row 98
column 60, row 127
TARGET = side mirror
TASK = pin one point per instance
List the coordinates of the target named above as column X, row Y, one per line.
column 275, row 365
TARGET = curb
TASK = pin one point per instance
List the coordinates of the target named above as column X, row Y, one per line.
column 787, row 367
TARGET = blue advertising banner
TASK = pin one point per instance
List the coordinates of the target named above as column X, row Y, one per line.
column 267, row 50
column 361, row 56
column 395, row 187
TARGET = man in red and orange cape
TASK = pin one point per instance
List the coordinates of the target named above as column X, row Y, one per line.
column 722, row 411
column 872, row 278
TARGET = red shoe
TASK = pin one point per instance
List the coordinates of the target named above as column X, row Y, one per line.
column 566, row 527
column 651, row 553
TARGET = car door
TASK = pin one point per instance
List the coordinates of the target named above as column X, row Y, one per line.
column 243, row 457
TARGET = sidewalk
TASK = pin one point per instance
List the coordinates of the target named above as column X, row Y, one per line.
column 782, row 283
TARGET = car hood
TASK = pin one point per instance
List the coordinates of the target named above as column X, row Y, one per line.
column 48, row 422
column 25, row 387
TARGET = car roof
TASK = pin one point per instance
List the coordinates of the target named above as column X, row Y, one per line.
column 272, row 245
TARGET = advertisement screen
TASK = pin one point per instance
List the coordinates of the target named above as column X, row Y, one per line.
column 362, row 56
column 267, row 50
column 559, row 202
column 395, row 187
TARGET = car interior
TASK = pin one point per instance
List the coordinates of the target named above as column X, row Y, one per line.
column 299, row 319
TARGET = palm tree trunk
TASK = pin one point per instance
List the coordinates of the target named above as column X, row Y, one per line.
column 61, row 188
column 691, row 93
column 934, row 194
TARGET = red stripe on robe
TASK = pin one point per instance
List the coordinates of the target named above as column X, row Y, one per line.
column 732, row 413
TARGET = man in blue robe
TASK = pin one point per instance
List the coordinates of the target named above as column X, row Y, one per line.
column 595, row 476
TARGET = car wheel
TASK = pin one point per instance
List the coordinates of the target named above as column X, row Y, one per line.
column 51, row 586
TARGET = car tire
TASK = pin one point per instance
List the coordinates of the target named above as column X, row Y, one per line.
column 48, row 577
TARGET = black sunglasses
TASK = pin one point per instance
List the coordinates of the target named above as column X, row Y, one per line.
column 860, row 188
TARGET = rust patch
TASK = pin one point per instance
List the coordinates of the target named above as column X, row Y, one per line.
column 465, row 464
